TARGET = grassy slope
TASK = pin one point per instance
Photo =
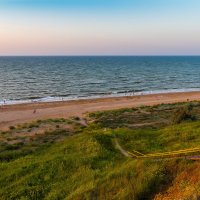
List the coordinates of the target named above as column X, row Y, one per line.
column 86, row 164
column 80, row 167
column 171, row 138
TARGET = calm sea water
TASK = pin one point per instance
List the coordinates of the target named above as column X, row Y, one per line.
column 56, row 78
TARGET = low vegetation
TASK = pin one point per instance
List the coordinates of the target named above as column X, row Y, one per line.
column 183, row 114
column 72, row 159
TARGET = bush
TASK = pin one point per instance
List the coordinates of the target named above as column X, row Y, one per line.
column 11, row 127
column 57, row 126
column 183, row 114
column 77, row 118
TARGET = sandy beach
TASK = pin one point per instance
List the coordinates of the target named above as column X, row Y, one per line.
column 20, row 113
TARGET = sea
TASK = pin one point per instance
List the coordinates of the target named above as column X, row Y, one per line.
column 60, row 78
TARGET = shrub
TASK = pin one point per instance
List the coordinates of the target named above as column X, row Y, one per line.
column 11, row 127
column 183, row 114
column 77, row 118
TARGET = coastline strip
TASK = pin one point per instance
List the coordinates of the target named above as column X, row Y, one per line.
column 11, row 115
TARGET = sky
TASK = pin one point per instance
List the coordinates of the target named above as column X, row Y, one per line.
column 99, row 27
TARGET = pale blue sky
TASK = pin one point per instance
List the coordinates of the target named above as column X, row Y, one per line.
column 99, row 27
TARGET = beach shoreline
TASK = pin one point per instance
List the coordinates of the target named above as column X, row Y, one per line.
column 11, row 115
column 51, row 99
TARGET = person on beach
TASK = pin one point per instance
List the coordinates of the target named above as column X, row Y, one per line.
column 34, row 111
column 2, row 106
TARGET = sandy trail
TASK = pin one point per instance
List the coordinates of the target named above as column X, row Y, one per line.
column 16, row 114
column 123, row 152
column 159, row 158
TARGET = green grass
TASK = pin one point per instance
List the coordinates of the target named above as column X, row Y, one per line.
column 146, row 116
column 85, row 164
column 19, row 142
column 171, row 138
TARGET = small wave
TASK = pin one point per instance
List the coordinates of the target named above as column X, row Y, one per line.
column 96, row 96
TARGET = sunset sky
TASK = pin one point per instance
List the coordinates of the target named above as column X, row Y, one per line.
column 99, row 27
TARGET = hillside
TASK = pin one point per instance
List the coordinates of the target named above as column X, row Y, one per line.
column 79, row 159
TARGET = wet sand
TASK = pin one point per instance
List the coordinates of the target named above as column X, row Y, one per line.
column 20, row 113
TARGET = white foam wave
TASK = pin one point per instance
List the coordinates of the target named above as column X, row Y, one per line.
column 114, row 94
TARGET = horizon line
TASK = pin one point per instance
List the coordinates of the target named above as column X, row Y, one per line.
column 111, row 55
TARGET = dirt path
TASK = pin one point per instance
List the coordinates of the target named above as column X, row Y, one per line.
column 138, row 155
column 121, row 149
